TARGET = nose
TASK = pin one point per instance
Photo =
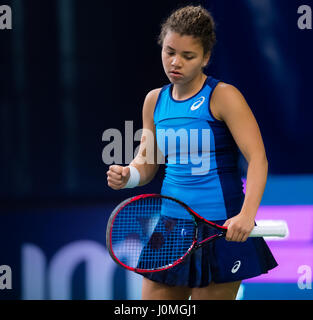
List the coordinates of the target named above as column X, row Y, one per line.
column 176, row 62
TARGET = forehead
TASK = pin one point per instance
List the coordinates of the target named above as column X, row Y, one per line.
column 181, row 43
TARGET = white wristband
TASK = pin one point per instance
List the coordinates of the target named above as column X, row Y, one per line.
column 134, row 178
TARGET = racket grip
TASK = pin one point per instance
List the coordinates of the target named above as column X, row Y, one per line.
column 278, row 230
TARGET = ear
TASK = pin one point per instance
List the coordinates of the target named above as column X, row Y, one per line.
column 206, row 59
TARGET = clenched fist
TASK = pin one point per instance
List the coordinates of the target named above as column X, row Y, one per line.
column 118, row 176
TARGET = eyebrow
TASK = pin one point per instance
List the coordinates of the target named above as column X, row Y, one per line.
column 183, row 51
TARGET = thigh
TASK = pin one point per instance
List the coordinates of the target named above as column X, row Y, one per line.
column 152, row 290
column 217, row 291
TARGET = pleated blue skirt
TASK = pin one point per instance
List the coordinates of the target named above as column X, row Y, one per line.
column 220, row 261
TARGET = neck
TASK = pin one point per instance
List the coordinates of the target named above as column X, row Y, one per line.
column 185, row 90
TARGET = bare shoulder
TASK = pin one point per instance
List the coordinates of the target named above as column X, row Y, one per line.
column 226, row 99
column 150, row 102
column 152, row 96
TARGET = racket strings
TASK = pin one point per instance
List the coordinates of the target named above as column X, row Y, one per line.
column 145, row 236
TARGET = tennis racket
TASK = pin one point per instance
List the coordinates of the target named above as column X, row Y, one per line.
column 144, row 234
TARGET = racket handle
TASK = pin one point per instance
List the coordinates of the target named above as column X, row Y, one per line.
column 275, row 230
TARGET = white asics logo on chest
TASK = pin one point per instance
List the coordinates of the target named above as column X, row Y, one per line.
column 196, row 105
column 236, row 266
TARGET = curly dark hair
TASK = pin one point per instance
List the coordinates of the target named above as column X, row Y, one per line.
column 193, row 21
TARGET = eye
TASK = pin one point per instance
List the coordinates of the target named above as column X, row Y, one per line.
column 172, row 53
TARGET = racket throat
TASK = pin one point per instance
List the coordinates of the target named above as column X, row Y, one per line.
column 206, row 241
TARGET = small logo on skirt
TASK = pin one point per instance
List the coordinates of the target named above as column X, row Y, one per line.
column 236, row 266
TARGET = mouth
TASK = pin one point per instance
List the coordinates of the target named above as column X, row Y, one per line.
column 175, row 74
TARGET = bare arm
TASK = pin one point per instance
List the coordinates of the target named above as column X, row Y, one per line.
column 231, row 107
column 146, row 159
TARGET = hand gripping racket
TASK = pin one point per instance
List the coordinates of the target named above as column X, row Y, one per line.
column 144, row 234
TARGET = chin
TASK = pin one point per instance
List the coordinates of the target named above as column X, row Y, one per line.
column 173, row 80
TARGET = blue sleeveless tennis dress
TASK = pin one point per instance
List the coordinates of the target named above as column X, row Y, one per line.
column 201, row 169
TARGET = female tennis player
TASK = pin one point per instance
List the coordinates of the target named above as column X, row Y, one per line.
column 218, row 123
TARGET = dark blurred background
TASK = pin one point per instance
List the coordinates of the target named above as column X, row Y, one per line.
column 71, row 69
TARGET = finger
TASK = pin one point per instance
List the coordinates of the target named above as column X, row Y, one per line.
column 238, row 237
column 235, row 235
column 117, row 169
column 232, row 236
column 113, row 183
column 114, row 175
column 125, row 171
column 226, row 223
column 229, row 234
column 113, row 186
column 245, row 237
